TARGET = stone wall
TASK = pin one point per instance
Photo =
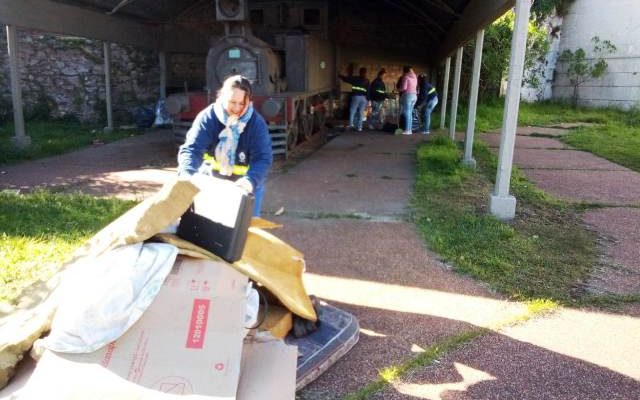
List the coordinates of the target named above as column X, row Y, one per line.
column 63, row 76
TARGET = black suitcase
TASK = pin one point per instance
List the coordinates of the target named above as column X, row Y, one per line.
column 224, row 234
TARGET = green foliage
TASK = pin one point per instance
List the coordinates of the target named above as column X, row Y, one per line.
column 496, row 50
column 542, row 9
column 581, row 69
column 41, row 230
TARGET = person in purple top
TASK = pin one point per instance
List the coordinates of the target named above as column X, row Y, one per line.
column 232, row 138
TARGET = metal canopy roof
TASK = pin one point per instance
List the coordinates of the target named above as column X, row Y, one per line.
column 436, row 27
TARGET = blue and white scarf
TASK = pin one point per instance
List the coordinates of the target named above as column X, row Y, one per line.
column 225, row 152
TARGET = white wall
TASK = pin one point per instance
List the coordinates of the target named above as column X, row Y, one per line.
column 614, row 20
column 548, row 66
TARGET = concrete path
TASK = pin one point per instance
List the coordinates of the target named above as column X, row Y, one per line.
column 344, row 208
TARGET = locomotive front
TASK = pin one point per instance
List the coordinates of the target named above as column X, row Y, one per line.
column 244, row 54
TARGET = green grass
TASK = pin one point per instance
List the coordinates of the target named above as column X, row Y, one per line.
column 617, row 141
column 544, row 253
column 50, row 138
column 41, row 230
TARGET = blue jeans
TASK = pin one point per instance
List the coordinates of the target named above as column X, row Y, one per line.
column 257, row 203
column 427, row 110
column 375, row 119
column 407, row 101
column 356, row 111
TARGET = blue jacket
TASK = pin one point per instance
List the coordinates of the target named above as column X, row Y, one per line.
column 423, row 95
column 254, row 145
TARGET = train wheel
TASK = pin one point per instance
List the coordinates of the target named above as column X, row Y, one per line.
column 292, row 136
column 306, row 126
column 319, row 119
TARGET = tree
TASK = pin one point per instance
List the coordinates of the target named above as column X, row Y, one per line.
column 581, row 69
column 495, row 53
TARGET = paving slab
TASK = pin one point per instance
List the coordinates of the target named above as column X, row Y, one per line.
column 401, row 294
column 133, row 167
column 541, row 130
column 572, row 125
column 563, row 159
column 346, row 174
column 524, row 142
column 537, row 130
column 621, row 245
column 527, row 362
column 602, row 187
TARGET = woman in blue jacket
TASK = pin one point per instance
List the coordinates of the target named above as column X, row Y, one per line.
column 233, row 138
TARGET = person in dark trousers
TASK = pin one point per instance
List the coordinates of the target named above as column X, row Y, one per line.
column 377, row 95
column 427, row 101
column 359, row 100
column 230, row 140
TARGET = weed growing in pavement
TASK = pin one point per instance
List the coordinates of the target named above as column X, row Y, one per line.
column 41, row 230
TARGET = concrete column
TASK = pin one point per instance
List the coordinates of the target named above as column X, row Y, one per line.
column 163, row 74
column 107, row 85
column 473, row 101
column 445, row 93
column 456, row 92
column 21, row 139
column 501, row 203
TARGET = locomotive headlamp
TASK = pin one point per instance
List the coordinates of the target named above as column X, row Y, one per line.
column 271, row 108
column 229, row 9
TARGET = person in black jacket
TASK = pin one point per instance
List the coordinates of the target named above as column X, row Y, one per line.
column 427, row 101
column 359, row 97
column 377, row 95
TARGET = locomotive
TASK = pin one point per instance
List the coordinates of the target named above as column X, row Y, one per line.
column 291, row 67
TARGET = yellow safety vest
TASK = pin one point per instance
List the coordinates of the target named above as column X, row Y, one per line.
column 215, row 165
column 358, row 88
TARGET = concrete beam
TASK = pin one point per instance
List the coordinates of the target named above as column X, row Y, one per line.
column 473, row 101
column 445, row 93
column 65, row 19
column 456, row 94
column 476, row 15
column 50, row 16
column 501, row 203
column 20, row 139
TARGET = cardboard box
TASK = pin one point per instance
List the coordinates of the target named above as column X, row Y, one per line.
column 268, row 371
column 189, row 342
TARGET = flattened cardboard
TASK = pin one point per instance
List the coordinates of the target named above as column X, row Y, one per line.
column 268, row 371
column 187, row 343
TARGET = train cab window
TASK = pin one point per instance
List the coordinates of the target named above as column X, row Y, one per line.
column 311, row 16
column 256, row 17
